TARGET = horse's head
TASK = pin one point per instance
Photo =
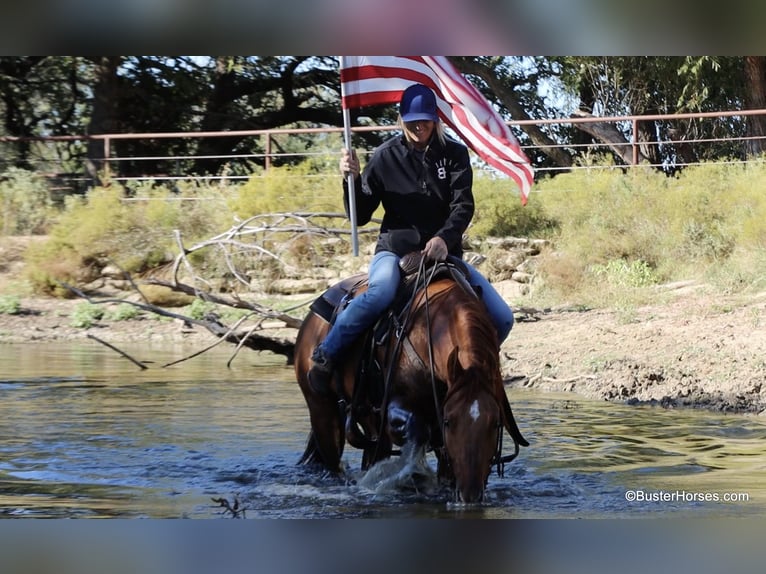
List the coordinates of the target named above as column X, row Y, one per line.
column 472, row 429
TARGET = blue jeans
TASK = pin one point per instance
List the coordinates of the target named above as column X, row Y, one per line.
column 362, row 312
column 499, row 311
column 383, row 280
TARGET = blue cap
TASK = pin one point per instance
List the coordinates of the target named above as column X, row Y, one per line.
column 418, row 103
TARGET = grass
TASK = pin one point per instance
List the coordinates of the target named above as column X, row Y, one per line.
column 616, row 235
column 10, row 305
column 85, row 315
column 619, row 233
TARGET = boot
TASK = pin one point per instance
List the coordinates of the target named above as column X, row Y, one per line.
column 320, row 373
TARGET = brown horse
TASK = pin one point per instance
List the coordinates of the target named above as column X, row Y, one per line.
column 441, row 389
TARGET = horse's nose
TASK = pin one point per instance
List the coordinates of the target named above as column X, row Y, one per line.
column 471, row 494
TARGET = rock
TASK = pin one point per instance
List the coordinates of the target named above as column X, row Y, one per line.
column 511, row 290
column 293, row 286
column 520, row 277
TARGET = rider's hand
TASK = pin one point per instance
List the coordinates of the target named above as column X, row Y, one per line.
column 435, row 249
column 349, row 163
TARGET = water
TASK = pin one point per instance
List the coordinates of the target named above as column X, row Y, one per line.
column 85, row 433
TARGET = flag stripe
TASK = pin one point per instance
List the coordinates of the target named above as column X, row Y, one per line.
column 375, row 80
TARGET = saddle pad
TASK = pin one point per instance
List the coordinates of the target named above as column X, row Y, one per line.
column 325, row 304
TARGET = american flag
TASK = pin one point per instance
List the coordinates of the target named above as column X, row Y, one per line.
column 372, row 80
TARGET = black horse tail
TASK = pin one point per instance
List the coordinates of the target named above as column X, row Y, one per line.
column 510, row 423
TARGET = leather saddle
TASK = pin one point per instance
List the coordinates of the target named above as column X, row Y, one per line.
column 369, row 384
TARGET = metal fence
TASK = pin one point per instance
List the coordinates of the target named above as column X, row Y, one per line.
column 46, row 155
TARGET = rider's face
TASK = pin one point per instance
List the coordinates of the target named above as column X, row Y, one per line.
column 419, row 132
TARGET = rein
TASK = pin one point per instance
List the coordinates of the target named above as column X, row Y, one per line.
column 499, row 459
column 400, row 336
column 422, row 280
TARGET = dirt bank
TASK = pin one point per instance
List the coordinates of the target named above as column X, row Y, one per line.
column 696, row 350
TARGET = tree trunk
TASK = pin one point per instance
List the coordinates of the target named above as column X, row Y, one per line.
column 103, row 119
column 609, row 135
column 755, row 99
column 545, row 144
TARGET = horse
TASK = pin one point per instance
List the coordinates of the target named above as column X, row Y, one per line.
column 432, row 380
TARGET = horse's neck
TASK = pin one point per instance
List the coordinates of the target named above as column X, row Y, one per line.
column 470, row 327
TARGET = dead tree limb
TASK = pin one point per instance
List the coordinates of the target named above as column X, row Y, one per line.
column 121, row 352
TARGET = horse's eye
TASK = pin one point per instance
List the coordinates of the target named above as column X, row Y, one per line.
column 446, row 423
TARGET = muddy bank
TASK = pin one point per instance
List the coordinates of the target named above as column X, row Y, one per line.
column 697, row 350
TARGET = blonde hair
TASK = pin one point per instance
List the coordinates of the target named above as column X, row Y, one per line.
column 438, row 129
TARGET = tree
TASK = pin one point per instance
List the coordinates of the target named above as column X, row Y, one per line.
column 615, row 86
column 512, row 84
column 755, row 99
column 41, row 95
column 263, row 93
column 67, row 95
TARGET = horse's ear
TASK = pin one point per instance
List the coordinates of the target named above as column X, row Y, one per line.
column 454, row 368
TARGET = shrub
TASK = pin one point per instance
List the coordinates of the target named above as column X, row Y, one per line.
column 123, row 312
column 9, row 305
column 288, row 189
column 199, row 308
column 500, row 213
column 26, row 202
column 623, row 273
column 104, row 226
column 85, row 315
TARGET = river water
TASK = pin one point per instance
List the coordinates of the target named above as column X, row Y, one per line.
column 86, row 433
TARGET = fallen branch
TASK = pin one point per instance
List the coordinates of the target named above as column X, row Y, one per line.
column 236, row 303
column 123, row 353
column 251, row 340
column 206, row 349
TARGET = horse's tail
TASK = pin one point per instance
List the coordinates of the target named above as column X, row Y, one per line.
column 510, row 423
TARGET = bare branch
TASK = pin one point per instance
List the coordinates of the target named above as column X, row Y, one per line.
column 236, row 303
column 123, row 353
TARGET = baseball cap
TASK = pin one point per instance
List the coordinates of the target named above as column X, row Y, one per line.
column 418, row 103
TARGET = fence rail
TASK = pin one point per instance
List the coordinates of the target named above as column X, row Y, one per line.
column 47, row 160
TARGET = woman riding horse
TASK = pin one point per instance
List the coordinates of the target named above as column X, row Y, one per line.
column 442, row 389
column 424, row 181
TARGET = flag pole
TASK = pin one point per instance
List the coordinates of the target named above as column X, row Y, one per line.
column 350, row 180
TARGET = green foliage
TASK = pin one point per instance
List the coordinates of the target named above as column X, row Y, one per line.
column 615, row 234
column 123, row 312
column 303, row 187
column 10, row 305
column 626, row 231
column 85, row 315
column 199, row 308
column 621, row 273
column 25, row 202
column 137, row 234
column 499, row 212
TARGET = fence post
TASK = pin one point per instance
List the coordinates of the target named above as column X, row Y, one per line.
column 635, row 141
column 107, row 171
column 267, row 163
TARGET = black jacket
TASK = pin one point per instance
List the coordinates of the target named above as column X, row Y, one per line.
column 428, row 192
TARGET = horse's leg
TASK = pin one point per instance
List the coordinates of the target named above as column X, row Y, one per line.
column 327, row 437
column 311, row 454
column 377, row 452
column 409, row 430
column 443, row 469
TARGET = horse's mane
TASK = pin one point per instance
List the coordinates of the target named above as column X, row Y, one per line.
column 474, row 318
column 472, row 328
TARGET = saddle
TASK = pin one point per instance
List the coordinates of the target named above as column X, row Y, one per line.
column 369, row 383
column 337, row 297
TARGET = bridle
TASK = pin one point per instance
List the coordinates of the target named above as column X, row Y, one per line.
column 498, row 459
